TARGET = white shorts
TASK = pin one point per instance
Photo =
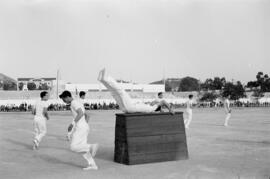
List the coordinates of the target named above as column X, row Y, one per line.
column 79, row 139
column 189, row 113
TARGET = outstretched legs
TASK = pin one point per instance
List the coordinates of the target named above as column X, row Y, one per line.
column 121, row 96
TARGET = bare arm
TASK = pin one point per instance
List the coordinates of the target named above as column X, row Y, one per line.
column 227, row 107
column 79, row 115
column 87, row 117
column 188, row 105
column 45, row 113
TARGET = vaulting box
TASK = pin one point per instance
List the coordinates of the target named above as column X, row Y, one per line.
column 149, row 137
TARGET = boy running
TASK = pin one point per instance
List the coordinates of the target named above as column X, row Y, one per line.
column 79, row 130
column 227, row 110
column 41, row 115
column 189, row 111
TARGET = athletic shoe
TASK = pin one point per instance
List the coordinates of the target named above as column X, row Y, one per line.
column 94, row 148
column 91, row 163
column 69, row 136
column 35, row 146
column 101, row 74
column 91, row 167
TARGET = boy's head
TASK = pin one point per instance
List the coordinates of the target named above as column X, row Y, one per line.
column 44, row 95
column 82, row 94
column 160, row 95
column 66, row 97
column 190, row 96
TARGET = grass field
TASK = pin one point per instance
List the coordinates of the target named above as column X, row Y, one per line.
column 241, row 150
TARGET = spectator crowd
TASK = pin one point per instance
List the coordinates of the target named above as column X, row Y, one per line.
column 112, row 106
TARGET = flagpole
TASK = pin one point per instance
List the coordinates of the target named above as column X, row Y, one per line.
column 57, row 78
column 164, row 83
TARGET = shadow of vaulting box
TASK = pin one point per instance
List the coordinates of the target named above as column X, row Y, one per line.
column 149, row 137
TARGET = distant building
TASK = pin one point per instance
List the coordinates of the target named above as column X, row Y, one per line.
column 127, row 86
column 171, row 84
column 38, row 82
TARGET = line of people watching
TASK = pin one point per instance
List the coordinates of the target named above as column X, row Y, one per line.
column 233, row 104
column 112, row 106
column 57, row 107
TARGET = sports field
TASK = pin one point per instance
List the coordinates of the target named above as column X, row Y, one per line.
column 241, row 150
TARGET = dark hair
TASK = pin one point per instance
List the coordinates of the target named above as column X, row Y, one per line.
column 65, row 94
column 190, row 96
column 159, row 93
column 82, row 93
column 43, row 93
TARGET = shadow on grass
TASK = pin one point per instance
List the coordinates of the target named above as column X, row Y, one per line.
column 30, row 146
column 247, row 142
column 54, row 160
column 58, row 137
column 105, row 153
column 25, row 145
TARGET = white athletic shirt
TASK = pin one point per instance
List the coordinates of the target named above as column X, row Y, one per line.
column 39, row 106
column 189, row 104
column 75, row 105
column 226, row 102
column 81, row 100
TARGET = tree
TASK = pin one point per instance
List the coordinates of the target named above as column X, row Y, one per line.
column 263, row 83
column 189, row 84
column 209, row 96
column 31, row 86
column 252, row 84
column 265, row 86
column 1, row 84
column 214, row 84
column 235, row 91
column 207, row 85
column 167, row 86
column 43, row 86
column 9, row 85
column 21, row 84
column 219, row 83
column 257, row 93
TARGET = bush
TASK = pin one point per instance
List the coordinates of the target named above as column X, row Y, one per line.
column 235, row 91
column 189, row 84
column 43, row 86
column 20, row 85
column 31, row 86
column 209, row 96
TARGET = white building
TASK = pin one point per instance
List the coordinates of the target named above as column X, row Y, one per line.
column 127, row 86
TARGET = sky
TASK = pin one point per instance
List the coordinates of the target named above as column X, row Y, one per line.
column 138, row 40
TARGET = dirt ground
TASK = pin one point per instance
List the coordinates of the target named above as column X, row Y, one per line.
column 241, row 150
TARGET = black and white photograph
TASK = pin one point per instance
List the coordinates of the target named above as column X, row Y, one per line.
column 132, row 89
